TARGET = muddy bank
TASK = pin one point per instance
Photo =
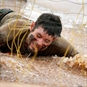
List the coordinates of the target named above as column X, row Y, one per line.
column 49, row 71
column 41, row 71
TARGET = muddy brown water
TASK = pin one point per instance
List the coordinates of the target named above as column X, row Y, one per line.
column 45, row 71
column 41, row 71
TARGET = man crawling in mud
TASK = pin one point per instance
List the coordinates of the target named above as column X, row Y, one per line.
column 22, row 36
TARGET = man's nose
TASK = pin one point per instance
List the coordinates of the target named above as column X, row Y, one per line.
column 40, row 42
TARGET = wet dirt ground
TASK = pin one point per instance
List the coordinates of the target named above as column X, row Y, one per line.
column 46, row 71
column 41, row 71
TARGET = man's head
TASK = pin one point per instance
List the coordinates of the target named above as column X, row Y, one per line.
column 44, row 31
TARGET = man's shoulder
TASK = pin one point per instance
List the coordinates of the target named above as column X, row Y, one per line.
column 60, row 41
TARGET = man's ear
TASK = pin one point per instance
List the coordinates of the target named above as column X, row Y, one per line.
column 32, row 26
column 54, row 38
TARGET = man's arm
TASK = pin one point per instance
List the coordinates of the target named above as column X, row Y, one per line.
column 11, row 28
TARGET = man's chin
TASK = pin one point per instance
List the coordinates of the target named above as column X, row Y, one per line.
column 31, row 50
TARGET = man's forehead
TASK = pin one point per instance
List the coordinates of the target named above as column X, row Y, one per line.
column 43, row 31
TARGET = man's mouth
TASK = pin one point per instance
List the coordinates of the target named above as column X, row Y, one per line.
column 31, row 47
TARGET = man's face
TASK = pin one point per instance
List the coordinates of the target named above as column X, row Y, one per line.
column 38, row 39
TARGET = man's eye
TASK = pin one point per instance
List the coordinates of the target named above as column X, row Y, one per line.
column 38, row 35
column 47, row 41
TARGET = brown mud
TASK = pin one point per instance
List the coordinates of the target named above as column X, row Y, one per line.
column 46, row 71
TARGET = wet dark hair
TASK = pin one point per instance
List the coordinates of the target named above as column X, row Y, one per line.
column 50, row 23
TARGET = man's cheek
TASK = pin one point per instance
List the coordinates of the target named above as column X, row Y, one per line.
column 31, row 38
